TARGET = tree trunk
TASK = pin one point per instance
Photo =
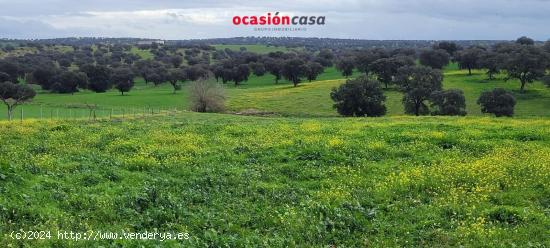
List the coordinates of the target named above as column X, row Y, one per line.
column 122, row 93
column 10, row 113
column 522, row 89
column 174, row 85
column 469, row 71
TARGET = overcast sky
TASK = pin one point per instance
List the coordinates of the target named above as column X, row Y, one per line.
column 362, row 19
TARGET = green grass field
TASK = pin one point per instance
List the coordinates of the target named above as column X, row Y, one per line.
column 234, row 181
column 263, row 95
column 144, row 54
column 300, row 177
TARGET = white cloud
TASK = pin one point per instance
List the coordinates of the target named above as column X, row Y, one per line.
column 370, row 19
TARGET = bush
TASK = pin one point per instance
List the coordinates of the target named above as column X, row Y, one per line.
column 206, row 96
column 505, row 215
column 448, row 102
column 359, row 97
column 498, row 102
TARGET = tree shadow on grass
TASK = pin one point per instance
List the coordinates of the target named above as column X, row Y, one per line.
column 528, row 94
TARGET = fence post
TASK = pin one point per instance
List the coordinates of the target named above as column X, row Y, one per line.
column 21, row 113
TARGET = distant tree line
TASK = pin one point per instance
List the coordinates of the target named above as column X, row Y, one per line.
column 289, row 42
column 421, row 85
column 101, row 67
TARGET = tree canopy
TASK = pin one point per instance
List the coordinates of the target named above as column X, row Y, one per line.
column 359, row 97
column 498, row 102
column 15, row 94
column 418, row 83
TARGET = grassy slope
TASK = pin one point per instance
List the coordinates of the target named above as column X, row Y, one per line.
column 280, row 182
column 534, row 102
column 144, row 54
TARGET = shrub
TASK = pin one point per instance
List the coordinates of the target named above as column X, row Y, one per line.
column 206, row 96
column 505, row 215
column 498, row 102
column 448, row 102
column 359, row 97
column 69, row 82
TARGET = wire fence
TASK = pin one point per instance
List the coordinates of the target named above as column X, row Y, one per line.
column 43, row 112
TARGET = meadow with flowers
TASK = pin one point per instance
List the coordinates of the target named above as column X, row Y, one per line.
column 234, row 181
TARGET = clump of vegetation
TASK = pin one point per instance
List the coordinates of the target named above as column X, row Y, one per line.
column 418, row 83
column 492, row 62
column 206, row 96
column 359, row 97
column 69, row 82
column 498, row 102
column 293, row 70
column 469, row 58
column 448, row 102
column 386, row 69
column 345, row 65
column 123, row 79
column 435, row 58
column 526, row 63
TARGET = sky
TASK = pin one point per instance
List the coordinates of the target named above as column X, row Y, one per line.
column 348, row 19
